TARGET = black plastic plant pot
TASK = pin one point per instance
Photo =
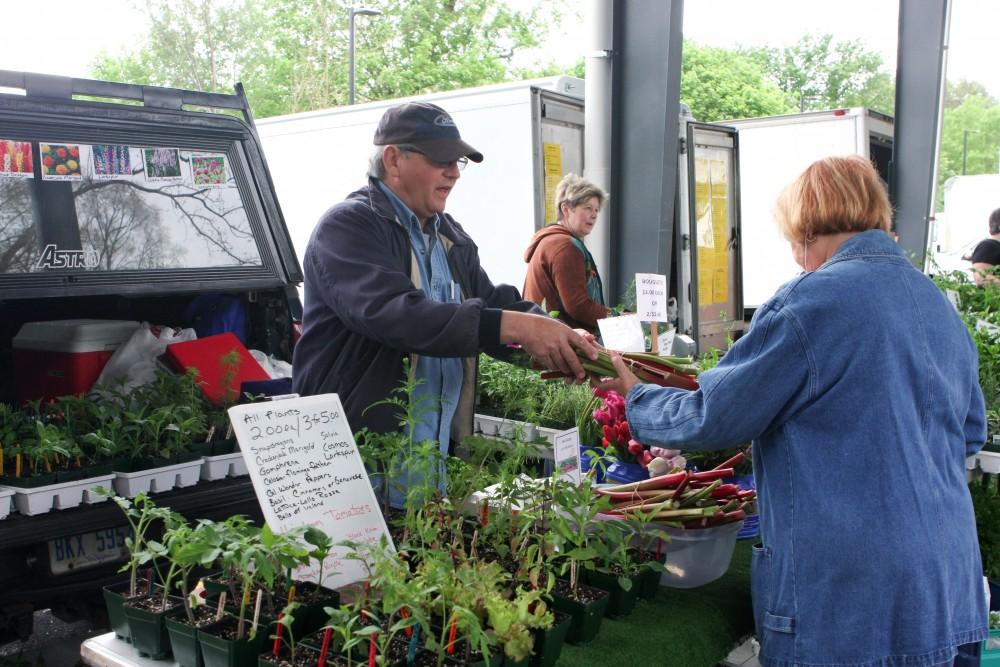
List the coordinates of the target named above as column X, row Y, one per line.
column 114, row 597
column 214, row 585
column 649, row 580
column 314, row 639
column 218, row 649
column 227, row 446
column 621, row 602
column 524, row 662
column 148, row 631
column 202, row 448
column 496, row 660
column 314, row 600
column 586, row 616
column 183, row 641
column 549, row 643
column 184, row 457
column 304, row 655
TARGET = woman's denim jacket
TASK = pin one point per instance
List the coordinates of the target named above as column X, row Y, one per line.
column 858, row 384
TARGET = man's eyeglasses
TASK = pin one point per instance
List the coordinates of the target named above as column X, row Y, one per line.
column 460, row 162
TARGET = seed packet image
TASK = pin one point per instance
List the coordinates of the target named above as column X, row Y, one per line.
column 15, row 159
column 209, row 169
column 60, row 162
column 111, row 161
column 162, row 164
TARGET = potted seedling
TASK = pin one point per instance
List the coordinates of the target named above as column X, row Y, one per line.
column 146, row 614
column 186, row 550
column 514, row 621
column 651, row 559
column 342, row 622
column 285, row 651
column 616, row 569
column 537, row 574
column 577, row 509
column 387, row 619
column 313, row 597
column 394, row 460
column 256, row 557
column 141, row 513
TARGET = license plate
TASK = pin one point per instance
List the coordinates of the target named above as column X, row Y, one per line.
column 77, row 552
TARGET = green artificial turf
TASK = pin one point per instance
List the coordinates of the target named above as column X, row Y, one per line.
column 695, row 627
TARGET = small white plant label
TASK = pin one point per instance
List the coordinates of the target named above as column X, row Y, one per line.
column 566, row 454
column 665, row 342
column 623, row 334
column 306, row 471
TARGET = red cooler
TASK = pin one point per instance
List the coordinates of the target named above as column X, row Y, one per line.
column 63, row 357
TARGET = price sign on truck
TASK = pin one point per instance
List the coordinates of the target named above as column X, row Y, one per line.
column 306, row 471
column 651, row 297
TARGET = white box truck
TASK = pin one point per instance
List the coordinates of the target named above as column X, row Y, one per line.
column 964, row 222
column 772, row 152
column 530, row 133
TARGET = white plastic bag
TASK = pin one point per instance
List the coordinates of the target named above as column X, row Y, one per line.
column 276, row 368
column 134, row 362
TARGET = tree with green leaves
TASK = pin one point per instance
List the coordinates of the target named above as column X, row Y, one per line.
column 970, row 138
column 293, row 56
column 719, row 84
column 818, row 73
column 955, row 94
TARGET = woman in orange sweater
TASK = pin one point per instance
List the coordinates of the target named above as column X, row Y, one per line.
column 562, row 275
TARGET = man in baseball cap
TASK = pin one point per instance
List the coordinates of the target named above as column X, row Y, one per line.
column 427, row 127
column 389, row 276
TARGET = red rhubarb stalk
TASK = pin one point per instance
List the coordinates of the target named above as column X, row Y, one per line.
column 681, row 486
column 371, row 650
column 660, row 482
column 733, row 462
column 725, row 491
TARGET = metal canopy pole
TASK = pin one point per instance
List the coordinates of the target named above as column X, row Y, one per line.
column 646, row 82
column 920, row 66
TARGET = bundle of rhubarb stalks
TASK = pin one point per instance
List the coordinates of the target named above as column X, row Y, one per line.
column 682, row 499
column 651, row 368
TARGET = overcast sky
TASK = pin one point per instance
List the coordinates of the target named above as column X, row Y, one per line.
column 113, row 25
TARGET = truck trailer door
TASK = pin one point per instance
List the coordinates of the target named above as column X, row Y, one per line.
column 557, row 147
column 710, row 298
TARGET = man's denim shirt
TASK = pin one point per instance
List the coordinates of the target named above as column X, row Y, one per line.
column 858, row 384
column 436, row 397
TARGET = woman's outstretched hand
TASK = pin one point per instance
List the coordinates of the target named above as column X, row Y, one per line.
column 621, row 384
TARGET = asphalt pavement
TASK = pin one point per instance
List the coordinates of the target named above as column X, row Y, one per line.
column 53, row 643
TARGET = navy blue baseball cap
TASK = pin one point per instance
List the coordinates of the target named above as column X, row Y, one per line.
column 427, row 127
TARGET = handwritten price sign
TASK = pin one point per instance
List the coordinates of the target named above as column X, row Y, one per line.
column 306, row 471
column 651, row 297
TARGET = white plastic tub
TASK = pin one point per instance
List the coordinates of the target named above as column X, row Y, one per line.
column 6, row 494
column 698, row 556
column 989, row 461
